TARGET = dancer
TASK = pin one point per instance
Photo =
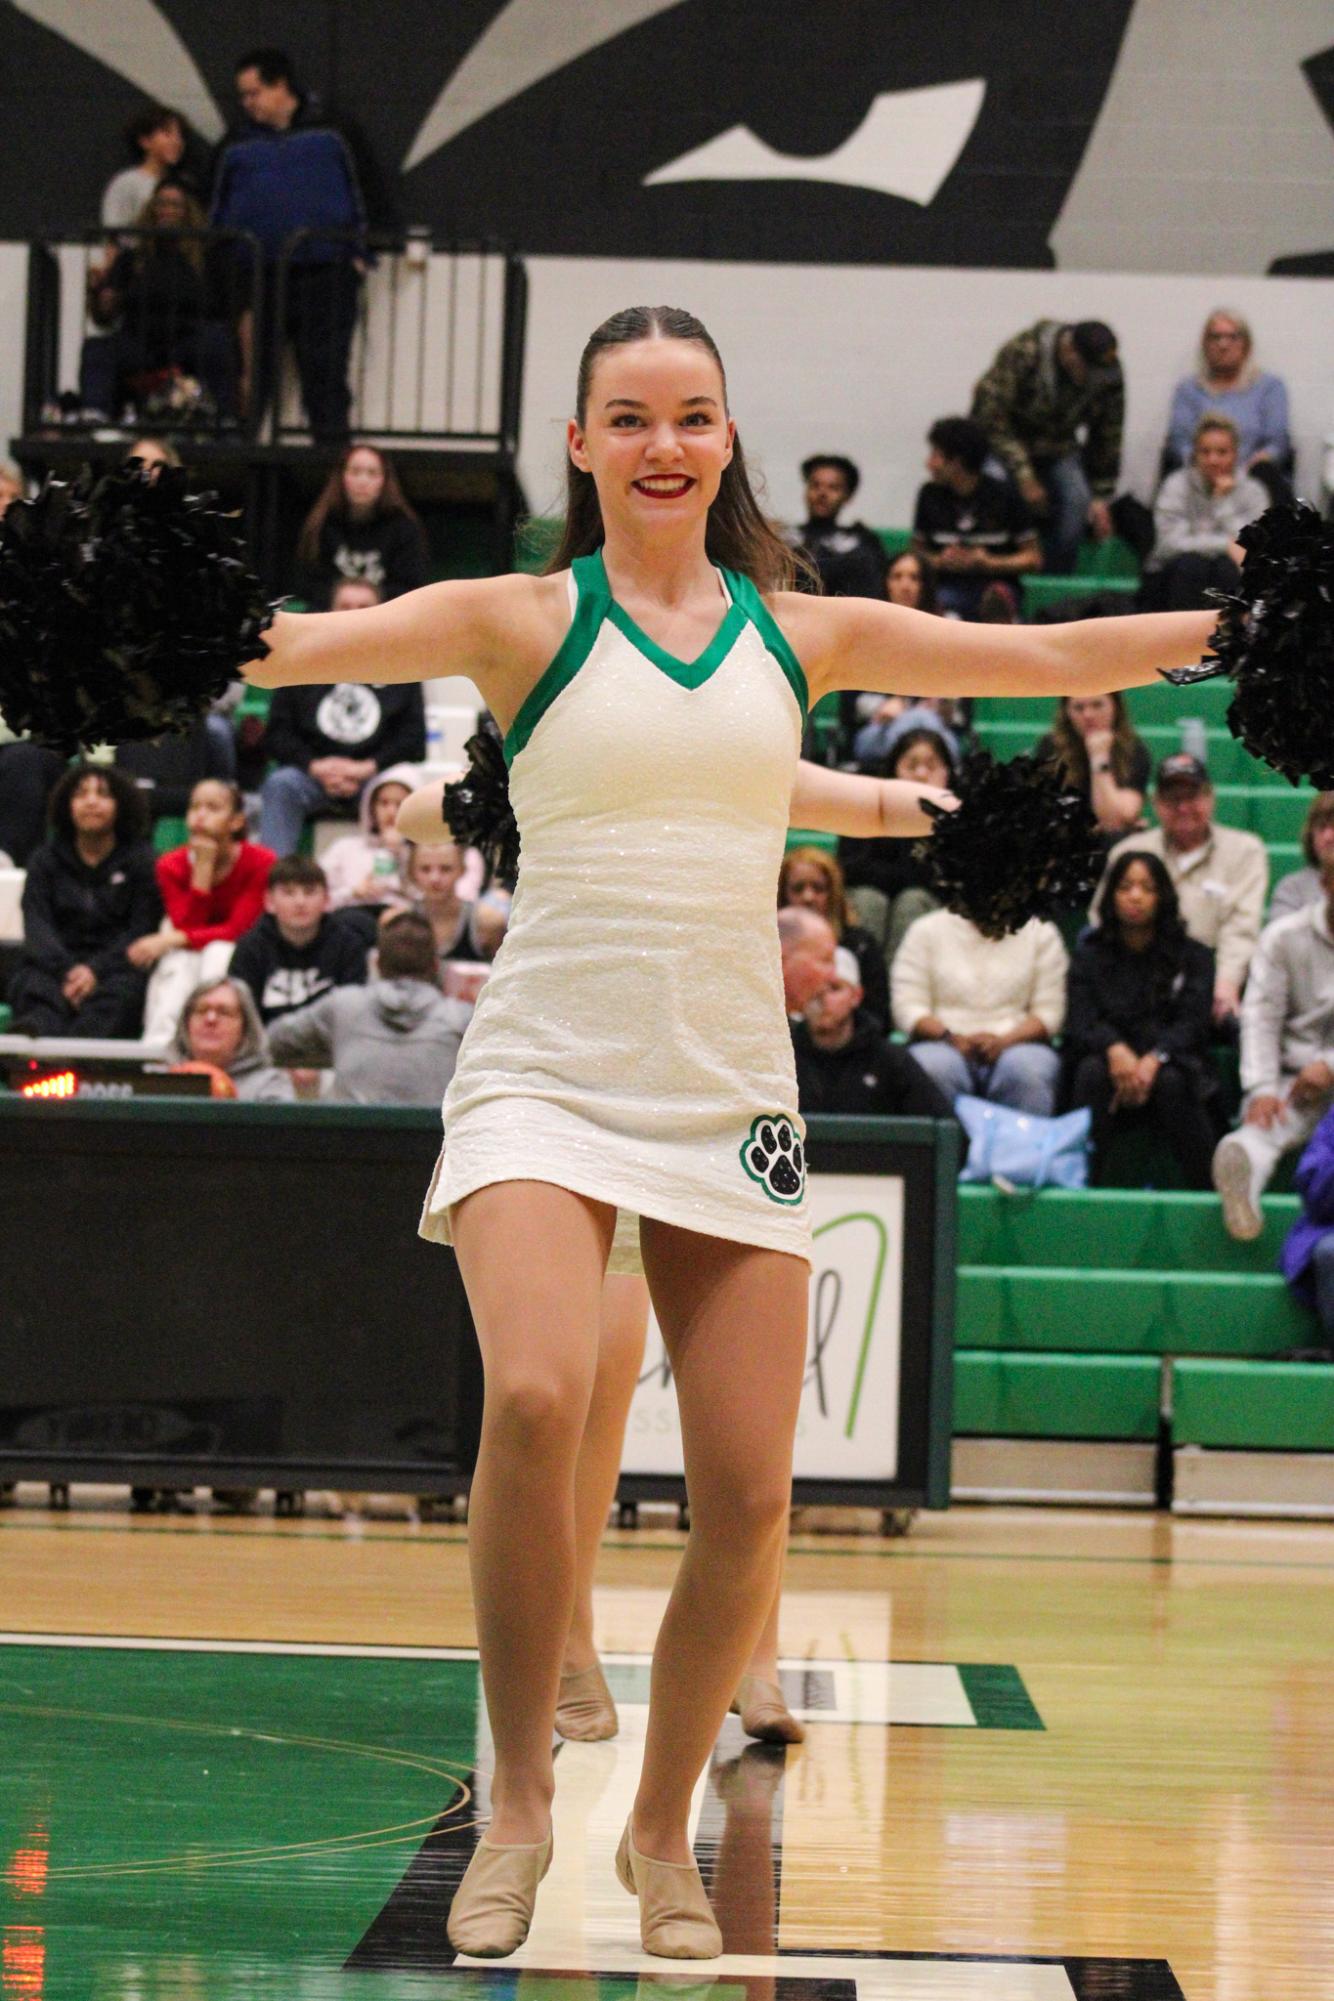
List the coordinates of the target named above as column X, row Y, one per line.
column 630, row 1049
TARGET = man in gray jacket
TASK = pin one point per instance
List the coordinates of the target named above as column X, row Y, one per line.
column 1287, row 1055
column 394, row 1041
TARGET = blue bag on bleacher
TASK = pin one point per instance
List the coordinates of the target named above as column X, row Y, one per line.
column 1022, row 1149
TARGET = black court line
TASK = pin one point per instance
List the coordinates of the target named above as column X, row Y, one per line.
column 409, row 1932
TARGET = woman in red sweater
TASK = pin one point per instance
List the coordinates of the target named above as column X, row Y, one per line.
column 212, row 891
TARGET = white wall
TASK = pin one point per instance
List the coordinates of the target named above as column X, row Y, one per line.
column 13, row 293
column 861, row 360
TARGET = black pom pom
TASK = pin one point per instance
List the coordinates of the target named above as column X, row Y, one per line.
column 1020, row 844
column 478, row 809
column 125, row 609
column 1275, row 640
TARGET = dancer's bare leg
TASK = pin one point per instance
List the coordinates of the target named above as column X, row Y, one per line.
column 622, row 1329
column 734, row 1318
column 537, row 1320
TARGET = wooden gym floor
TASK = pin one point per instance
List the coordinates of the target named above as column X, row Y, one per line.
column 1051, row 1757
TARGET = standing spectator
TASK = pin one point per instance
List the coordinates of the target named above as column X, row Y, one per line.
column 213, row 890
column 329, row 741
column 220, row 1030
column 1228, row 383
column 977, row 531
column 1307, row 1257
column 90, row 894
column 298, row 950
column 394, row 1041
column 288, row 170
column 1304, row 885
column 1220, row 874
column 846, row 1065
column 923, row 752
column 155, row 141
column 982, row 1011
column 1138, row 1027
column 1098, row 752
column 368, row 867
column 431, row 878
column 1287, row 1055
column 813, row 879
column 1044, row 387
column 363, row 528
column 1199, row 512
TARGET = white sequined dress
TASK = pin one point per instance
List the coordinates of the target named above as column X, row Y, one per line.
column 631, row 1043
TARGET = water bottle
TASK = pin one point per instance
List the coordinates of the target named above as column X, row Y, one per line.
column 1195, row 738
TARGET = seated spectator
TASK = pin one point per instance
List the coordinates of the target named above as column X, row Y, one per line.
column 362, row 527
column 328, row 742
column 1228, row 383
column 367, row 868
column 976, row 530
column 1307, row 1257
column 1287, row 1042
column 11, row 486
column 1095, row 745
column 1045, row 386
column 28, row 775
column 890, row 871
column 807, row 946
column 155, row 141
column 1198, row 515
column 845, row 1064
column 220, row 1030
column 298, row 950
column 982, row 1011
column 394, row 1041
column 1304, row 885
column 849, row 556
column 431, row 876
column 213, row 890
column 156, row 297
column 1138, row 1027
column 90, row 898
column 878, row 740
column 813, row 879
column 1220, row 874
column 911, row 581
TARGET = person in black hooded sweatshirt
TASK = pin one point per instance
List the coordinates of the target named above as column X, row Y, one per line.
column 90, row 897
column 300, row 950
column 846, row 1065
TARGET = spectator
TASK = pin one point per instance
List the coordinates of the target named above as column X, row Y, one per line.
column 1229, row 384
column 878, row 740
column 808, row 947
column 11, row 486
column 367, row 867
column 1287, row 1055
column 298, row 950
column 220, row 1030
column 812, row 878
column 982, row 1011
column 151, row 454
column 1303, row 886
column 156, row 296
column 432, row 873
column 911, row 582
column 977, row 531
column 329, row 741
column 1198, row 515
column 362, row 527
column 1043, row 387
column 289, row 170
column 846, row 1065
column 1219, row 874
column 394, row 1041
column 891, row 872
column 1307, row 1257
column 849, row 556
column 28, row 774
column 90, row 895
column 155, row 141
column 1098, row 752
column 1138, row 1027
column 213, row 890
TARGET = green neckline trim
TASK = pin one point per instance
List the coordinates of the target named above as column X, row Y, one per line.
column 589, row 611
column 771, row 632
column 686, row 673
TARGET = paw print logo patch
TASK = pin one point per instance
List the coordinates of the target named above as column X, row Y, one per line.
column 774, row 1156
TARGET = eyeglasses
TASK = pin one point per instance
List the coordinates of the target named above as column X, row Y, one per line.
column 222, row 1013
column 1224, row 333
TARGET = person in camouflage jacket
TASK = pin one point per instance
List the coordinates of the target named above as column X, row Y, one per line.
column 1044, row 386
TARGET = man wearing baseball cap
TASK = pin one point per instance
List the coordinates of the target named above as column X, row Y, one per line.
column 1221, row 874
column 845, row 1064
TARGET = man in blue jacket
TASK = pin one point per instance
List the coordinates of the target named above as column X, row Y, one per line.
column 288, row 170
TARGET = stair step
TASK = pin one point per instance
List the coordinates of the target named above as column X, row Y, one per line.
column 1019, row 1308
column 1273, row 1406
column 1056, row 1396
column 1114, row 1229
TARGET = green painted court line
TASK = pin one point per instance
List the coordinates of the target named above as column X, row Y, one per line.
column 998, row 1697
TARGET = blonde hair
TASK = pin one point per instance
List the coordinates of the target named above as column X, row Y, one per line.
column 840, row 917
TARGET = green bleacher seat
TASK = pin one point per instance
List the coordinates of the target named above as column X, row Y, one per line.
column 894, row 541
column 1114, row 1229
column 1167, row 1312
column 811, row 837
column 6, row 1016
column 1229, row 763
column 1261, row 1406
column 1041, row 590
column 168, row 833
column 1276, row 812
column 1056, row 1396
column 255, row 702
column 536, row 541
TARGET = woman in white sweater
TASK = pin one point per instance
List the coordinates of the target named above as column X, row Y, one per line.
column 981, row 1011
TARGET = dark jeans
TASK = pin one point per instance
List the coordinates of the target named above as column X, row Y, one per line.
column 319, row 319
column 1174, row 1108
column 114, row 1008
column 27, row 775
column 110, row 360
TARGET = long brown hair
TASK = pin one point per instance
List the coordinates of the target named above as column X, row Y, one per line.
column 738, row 536
column 392, row 500
column 840, row 917
column 1069, row 752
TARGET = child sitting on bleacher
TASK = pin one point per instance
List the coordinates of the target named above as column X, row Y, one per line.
column 213, row 889
column 299, row 949
column 367, row 867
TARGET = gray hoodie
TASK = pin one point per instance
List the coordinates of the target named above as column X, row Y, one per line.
column 255, row 1078
column 391, row 1042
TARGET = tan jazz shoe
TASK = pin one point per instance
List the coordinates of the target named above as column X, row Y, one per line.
column 493, row 1905
column 675, row 1918
column 764, row 1712
column 585, row 1711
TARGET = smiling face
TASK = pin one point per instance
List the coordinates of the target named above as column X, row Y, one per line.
column 165, row 145
column 655, row 437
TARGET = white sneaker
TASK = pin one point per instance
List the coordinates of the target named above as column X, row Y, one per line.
column 1232, row 1174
